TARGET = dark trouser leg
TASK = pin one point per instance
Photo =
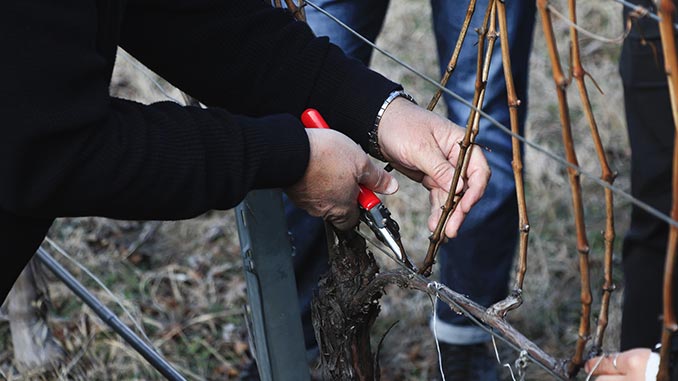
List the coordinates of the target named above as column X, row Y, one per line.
column 651, row 131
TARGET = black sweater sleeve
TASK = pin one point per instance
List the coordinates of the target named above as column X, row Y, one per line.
column 68, row 149
column 253, row 60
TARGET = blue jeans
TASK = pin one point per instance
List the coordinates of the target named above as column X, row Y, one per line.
column 478, row 262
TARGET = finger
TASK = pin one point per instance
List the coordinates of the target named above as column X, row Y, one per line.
column 429, row 183
column 478, row 173
column 438, row 198
column 377, row 179
column 456, row 219
column 591, row 363
column 437, row 167
column 345, row 219
column 607, row 365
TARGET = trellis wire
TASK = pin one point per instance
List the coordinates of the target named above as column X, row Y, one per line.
column 642, row 10
column 435, row 332
column 642, row 205
column 586, row 32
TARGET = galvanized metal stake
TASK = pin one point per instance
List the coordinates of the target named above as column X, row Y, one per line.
column 271, row 287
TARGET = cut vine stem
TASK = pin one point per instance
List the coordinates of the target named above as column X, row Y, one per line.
column 561, row 83
column 607, row 175
column 514, row 299
column 666, row 10
column 438, row 236
column 297, row 11
column 455, row 55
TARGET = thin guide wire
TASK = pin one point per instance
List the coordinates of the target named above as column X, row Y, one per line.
column 435, row 331
column 642, row 10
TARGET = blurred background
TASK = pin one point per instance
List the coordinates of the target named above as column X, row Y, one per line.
column 183, row 281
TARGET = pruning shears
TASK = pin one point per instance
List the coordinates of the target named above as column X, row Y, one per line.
column 372, row 211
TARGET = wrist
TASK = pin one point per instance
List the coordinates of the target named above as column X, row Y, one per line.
column 373, row 134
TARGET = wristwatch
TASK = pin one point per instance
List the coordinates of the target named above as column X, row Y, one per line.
column 373, row 133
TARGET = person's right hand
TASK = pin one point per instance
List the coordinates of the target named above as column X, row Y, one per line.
column 329, row 188
column 630, row 365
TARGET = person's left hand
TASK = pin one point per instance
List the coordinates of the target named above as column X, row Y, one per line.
column 425, row 147
column 629, row 366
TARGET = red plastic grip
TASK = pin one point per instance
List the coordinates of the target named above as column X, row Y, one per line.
column 367, row 199
column 311, row 118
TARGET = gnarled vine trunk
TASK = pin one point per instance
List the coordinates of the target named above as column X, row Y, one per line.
column 342, row 327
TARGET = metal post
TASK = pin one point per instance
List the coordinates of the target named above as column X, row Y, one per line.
column 144, row 349
column 271, row 288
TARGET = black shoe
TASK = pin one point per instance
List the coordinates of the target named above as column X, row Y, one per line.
column 473, row 362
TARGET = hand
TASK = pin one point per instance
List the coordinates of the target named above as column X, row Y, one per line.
column 630, row 366
column 425, row 147
column 329, row 188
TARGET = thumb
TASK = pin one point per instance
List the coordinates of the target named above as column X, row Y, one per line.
column 377, row 179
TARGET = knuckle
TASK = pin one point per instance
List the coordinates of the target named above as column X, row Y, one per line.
column 442, row 171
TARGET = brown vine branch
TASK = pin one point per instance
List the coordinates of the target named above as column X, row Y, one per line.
column 491, row 35
column 607, row 175
column 296, row 10
column 575, row 188
column 514, row 300
column 438, row 235
column 459, row 303
column 455, row 55
column 480, row 86
column 666, row 10
column 302, row 10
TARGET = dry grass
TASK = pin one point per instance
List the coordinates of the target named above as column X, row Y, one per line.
column 184, row 283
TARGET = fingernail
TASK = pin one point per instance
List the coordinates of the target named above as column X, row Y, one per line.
column 392, row 186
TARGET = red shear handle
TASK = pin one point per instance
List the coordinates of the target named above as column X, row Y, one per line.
column 311, row 118
column 367, row 199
